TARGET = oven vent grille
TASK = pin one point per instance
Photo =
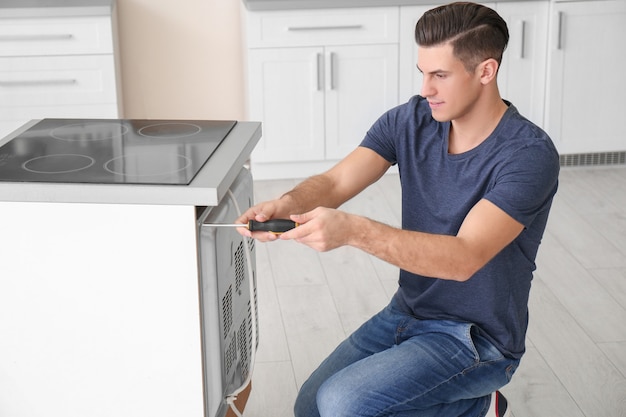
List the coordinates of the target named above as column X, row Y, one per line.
column 251, row 244
column 244, row 337
column 240, row 270
column 227, row 311
column 256, row 314
column 599, row 158
column 230, row 356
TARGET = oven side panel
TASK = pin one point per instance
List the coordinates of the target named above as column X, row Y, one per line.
column 226, row 299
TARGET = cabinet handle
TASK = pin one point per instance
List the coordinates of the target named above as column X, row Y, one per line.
column 559, row 42
column 331, row 70
column 30, row 38
column 523, row 46
column 339, row 27
column 29, row 83
column 320, row 71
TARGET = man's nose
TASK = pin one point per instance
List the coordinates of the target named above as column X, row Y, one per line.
column 427, row 88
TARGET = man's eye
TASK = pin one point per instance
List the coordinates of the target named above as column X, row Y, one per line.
column 441, row 76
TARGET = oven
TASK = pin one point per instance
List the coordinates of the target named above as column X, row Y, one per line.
column 227, row 296
column 146, row 309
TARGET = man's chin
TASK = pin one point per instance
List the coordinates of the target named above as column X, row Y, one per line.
column 440, row 117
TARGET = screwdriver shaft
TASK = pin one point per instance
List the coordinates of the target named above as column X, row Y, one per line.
column 275, row 226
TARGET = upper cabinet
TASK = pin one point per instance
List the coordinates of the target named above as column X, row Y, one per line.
column 318, row 80
column 522, row 75
column 585, row 84
column 56, row 67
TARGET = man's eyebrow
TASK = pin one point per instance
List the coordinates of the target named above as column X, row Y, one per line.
column 437, row 71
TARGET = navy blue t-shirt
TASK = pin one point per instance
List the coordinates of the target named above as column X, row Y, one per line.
column 516, row 168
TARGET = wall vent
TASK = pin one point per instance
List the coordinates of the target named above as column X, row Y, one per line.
column 600, row 158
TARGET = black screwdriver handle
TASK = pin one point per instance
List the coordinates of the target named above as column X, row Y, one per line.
column 275, row 226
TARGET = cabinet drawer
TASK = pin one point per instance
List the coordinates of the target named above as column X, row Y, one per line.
column 56, row 36
column 50, row 81
column 323, row 27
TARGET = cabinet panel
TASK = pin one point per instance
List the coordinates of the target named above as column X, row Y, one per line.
column 363, row 85
column 58, row 80
column 57, row 66
column 585, row 84
column 521, row 78
column 318, row 79
column 56, row 36
column 286, row 93
column 410, row 78
column 323, row 27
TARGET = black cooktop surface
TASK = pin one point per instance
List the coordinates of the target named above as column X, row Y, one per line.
column 111, row 151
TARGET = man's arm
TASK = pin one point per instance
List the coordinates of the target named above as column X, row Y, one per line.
column 350, row 176
column 361, row 168
column 485, row 231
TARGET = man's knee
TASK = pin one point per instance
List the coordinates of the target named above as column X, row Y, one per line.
column 337, row 400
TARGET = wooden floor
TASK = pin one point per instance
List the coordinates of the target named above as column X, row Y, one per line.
column 575, row 363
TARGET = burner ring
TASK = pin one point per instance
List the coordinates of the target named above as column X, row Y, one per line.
column 120, row 159
column 89, row 131
column 170, row 130
column 58, row 163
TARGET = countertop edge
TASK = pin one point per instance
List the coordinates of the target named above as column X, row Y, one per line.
column 28, row 13
column 58, row 10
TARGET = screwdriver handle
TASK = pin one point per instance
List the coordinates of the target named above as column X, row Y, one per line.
column 276, row 226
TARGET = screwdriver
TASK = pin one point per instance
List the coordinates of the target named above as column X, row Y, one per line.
column 276, row 226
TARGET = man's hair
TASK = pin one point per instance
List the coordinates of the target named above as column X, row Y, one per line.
column 475, row 32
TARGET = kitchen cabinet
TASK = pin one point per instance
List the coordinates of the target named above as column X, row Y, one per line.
column 318, row 80
column 585, row 86
column 549, row 69
column 521, row 77
column 58, row 62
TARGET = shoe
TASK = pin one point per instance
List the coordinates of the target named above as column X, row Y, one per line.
column 499, row 406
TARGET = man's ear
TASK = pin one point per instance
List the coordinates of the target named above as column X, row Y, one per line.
column 488, row 70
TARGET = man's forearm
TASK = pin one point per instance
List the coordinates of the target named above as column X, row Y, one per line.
column 336, row 186
column 316, row 191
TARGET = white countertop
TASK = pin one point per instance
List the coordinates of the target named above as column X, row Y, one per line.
column 207, row 188
column 52, row 8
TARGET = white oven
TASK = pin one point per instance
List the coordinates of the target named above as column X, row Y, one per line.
column 227, row 297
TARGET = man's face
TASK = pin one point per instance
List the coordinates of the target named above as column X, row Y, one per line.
column 448, row 87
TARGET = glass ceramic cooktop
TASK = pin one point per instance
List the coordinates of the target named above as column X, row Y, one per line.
column 104, row 151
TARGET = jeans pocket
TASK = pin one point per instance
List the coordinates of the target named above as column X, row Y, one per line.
column 485, row 350
column 510, row 370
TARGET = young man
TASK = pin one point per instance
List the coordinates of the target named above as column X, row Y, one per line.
column 477, row 185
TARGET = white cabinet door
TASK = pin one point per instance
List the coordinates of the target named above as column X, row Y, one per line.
column 521, row 77
column 586, row 87
column 361, row 84
column 317, row 103
column 287, row 93
column 318, row 79
column 410, row 77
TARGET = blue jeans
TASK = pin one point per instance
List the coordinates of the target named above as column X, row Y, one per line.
column 396, row 365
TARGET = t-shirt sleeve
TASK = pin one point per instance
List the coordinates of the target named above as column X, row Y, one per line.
column 527, row 181
column 380, row 137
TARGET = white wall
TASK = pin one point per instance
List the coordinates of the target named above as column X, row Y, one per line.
column 181, row 59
